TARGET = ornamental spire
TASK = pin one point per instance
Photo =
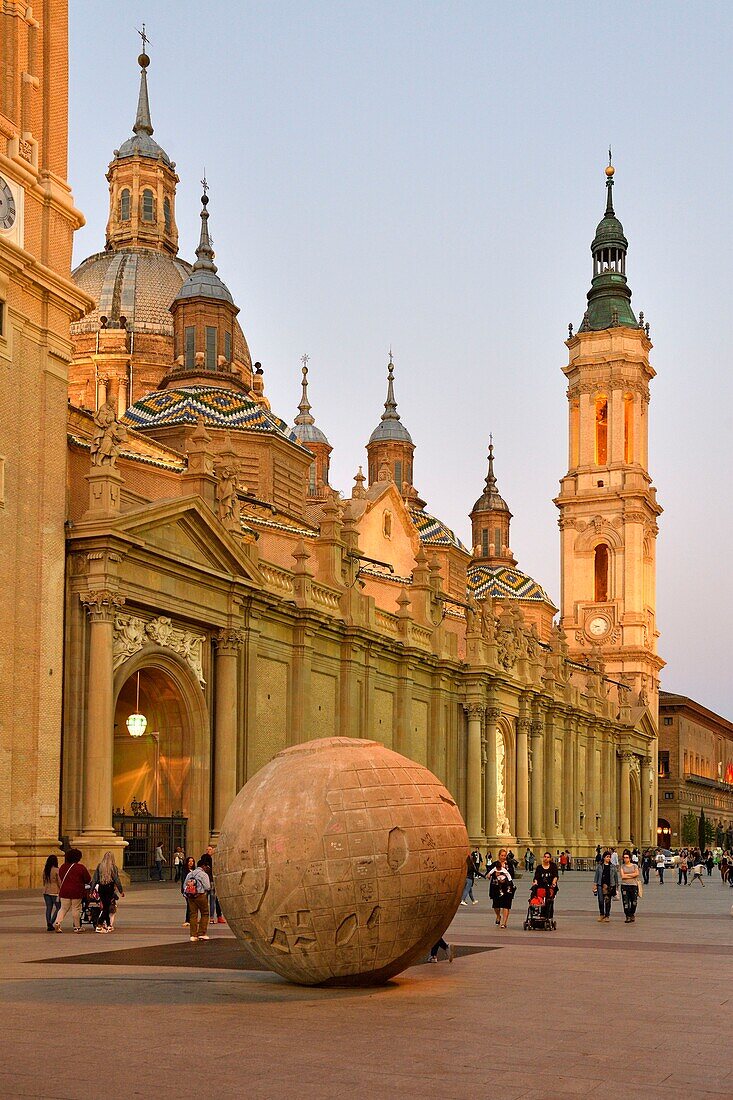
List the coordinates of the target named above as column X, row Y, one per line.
column 304, row 416
column 610, row 212
column 609, row 297
column 390, row 405
column 143, row 122
column 204, row 252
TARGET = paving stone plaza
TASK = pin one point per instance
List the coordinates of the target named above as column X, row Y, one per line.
column 641, row 1008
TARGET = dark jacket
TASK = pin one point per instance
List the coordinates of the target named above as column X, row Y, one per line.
column 599, row 873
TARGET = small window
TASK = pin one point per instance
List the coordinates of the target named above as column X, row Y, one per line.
column 601, row 431
column 228, row 346
column 497, row 542
column 668, row 721
column 210, row 348
column 398, row 474
column 686, row 763
column 125, row 205
column 663, row 765
column 148, row 206
column 312, row 478
column 167, row 214
column 485, row 542
column 190, row 351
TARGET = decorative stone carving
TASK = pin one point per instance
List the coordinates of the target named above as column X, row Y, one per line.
column 228, row 506
column 327, row 889
column 507, row 643
column 108, row 438
column 101, row 604
column 228, row 641
column 132, row 633
column 474, row 710
column 502, row 820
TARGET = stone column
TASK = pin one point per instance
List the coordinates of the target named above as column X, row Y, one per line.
column 493, row 715
column 568, row 785
column 537, row 780
column 97, row 834
column 648, row 826
column 227, row 644
column 122, row 399
column 625, row 797
column 523, row 727
column 475, row 712
column 550, row 795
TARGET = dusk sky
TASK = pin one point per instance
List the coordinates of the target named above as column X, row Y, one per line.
column 429, row 176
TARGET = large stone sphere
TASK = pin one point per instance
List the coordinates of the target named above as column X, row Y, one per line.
column 341, row 862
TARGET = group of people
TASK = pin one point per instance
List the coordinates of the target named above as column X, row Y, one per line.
column 612, row 875
column 67, row 888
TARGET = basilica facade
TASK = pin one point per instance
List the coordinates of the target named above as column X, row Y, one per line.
column 198, row 569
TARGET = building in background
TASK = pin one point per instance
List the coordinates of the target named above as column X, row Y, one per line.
column 695, row 770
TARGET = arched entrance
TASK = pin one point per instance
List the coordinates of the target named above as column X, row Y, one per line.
column 168, row 767
column 664, row 834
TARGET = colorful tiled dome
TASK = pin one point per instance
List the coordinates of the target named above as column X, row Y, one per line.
column 501, row 582
column 433, row 532
column 219, row 407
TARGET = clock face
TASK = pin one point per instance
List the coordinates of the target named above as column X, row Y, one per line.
column 7, row 205
column 598, row 626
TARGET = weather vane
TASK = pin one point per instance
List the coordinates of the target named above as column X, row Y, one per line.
column 204, row 183
column 305, row 360
column 145, row 38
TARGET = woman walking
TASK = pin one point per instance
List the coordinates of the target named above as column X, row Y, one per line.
column 107, row 880
column 73, row 880
column 196, row 887
column 501, row 888
column 646, row 865
column 51, row 887
column 629, row 876
column 605, row 886
column 189, row 864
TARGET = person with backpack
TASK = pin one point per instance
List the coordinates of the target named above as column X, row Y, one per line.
column 73, row 881
column 196, row 887
column 189, row 864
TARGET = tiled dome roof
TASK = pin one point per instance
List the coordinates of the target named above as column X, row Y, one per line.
column 501, row 582
column 220, row 408
column 433, row 532
column 138, row 284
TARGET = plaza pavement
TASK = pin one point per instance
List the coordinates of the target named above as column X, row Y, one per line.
column 640, row 1010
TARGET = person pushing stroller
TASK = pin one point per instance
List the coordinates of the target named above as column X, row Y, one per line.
column 541, row 911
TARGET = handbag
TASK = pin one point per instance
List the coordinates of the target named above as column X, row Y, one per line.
column 191, row 888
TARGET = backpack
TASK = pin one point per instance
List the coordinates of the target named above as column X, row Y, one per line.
column 191, row 888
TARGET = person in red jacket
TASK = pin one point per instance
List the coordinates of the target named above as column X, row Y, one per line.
column 74, row 878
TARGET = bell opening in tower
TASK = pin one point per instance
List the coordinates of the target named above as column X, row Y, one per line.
column 601, row 573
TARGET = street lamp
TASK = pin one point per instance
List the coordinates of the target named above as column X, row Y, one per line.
column 137, row 723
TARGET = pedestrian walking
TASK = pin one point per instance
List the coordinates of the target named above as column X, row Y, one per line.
column 73, row 881
column 177, row 863
column 629, row 877
column 599, row 853
column 646, row 866
column 159, row 859
column 605, row 886
column 682, row 869
column 614, row 857
column 546, row 875
column 563, row 863
column 106, row 879
column 476, row 857
column 189, row 864
column 501, row 888
column 441, row 945
column 196, row 888
column 660, row 868
column 215, row 914
column 710, row 863
column 51, row 886
column 697, row 871
column 472, row 873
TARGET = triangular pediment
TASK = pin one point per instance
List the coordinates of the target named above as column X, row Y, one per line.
column 186, row 529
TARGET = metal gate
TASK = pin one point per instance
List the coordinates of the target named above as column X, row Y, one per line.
column 143, row 834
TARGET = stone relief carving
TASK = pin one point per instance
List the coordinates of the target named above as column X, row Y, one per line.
column 502, row 820
column 131, row 634
column 227, row 498
column 109, row 437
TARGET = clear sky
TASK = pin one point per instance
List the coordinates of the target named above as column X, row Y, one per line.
column 430, row 175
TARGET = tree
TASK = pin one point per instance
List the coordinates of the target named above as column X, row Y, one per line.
column 689, row 828
column 701, row 831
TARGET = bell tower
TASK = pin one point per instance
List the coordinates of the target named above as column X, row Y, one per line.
column 608, row 506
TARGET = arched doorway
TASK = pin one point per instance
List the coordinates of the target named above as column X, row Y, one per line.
column 168, row 767
column 664, row 834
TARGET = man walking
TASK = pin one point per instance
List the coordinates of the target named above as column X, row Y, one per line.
column 660, row 868
column 682, row 869
column 159, row 859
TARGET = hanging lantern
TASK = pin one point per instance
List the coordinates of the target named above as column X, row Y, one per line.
column 137, row 723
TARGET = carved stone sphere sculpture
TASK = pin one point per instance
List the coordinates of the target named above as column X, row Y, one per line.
column 341, row 862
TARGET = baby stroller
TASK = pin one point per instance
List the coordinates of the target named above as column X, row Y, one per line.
column 91, row 907
column 541, row 909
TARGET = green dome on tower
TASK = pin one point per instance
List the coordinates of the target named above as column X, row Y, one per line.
column 609, row 297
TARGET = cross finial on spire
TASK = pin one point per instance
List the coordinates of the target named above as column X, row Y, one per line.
column 304, row 415
column 205, row 184
column 610, row 158
column 145, row 39
column 305, row 360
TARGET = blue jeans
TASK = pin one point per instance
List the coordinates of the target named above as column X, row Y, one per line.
column 53, row 904
column 159, row 869
column 468, row 889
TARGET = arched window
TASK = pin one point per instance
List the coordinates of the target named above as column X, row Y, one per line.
column 125, row 205
column 601, row 431
column 210, row 347
column 484, row 542
column 601, row 573
column 148, row 206
column 167, row 214
column 497, row 541
column 312, row 478
column 628, row 427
